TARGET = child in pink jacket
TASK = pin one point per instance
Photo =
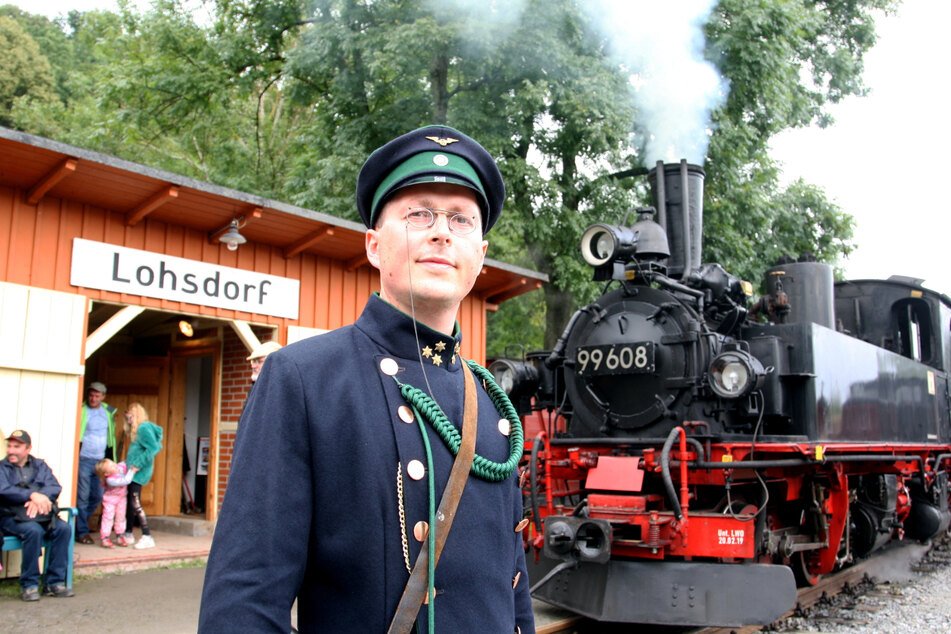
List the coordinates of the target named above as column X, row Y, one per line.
column 115, row 480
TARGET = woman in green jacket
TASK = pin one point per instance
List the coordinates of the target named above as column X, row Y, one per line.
column 146, row 441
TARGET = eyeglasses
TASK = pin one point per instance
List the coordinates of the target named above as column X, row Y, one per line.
column 425, row 217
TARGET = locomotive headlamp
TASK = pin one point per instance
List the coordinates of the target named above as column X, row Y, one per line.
column 514, row 377
column 735, row 373
column 602, row 244
column 518, row 379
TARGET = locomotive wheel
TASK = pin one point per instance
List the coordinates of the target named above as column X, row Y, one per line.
column 800, row 567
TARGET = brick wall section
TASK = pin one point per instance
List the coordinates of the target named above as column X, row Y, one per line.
column 235, row 383
column 225, row 449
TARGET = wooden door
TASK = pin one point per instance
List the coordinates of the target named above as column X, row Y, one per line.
column 41, row 374
column 144, row 380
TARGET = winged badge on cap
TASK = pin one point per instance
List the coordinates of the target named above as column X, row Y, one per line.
column 442, row 142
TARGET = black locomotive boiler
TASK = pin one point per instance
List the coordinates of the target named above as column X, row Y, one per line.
column 694, row 454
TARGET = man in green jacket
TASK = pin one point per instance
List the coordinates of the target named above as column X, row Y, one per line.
column 97, row 440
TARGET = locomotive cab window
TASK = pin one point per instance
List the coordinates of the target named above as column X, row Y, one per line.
column 911, row 319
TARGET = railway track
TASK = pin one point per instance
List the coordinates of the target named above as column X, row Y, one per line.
column 844, row 581
column 842, row 590
column 807, row 597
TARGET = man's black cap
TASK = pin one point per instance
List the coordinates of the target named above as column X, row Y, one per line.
column 22, row 436
column 434, row 154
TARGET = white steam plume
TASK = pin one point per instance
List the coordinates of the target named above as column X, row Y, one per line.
column 660, row 43
column 496, row 19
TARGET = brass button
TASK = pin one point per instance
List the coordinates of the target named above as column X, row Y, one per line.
column 389, row 366
column 406, row 414
column 515, row 579
column 521, row 525
column 421, row 531
column 505, row 427
column 416, row 470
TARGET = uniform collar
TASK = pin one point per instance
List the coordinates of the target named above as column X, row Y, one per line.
column 393, row 330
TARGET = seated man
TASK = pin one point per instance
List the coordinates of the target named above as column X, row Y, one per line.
column 28, row 492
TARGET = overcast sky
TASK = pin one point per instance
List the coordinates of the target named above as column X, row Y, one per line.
column 883, row 159
column 880, row 161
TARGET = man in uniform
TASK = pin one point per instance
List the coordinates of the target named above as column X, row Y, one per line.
column 97, row 440
column 335, row 470
column 28, row 492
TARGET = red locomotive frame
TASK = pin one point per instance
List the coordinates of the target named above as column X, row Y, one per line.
column 643, row 528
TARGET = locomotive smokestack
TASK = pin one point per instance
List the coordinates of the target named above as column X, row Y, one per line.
column 677, row 190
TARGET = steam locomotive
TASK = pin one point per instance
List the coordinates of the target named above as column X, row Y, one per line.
column 694, row 454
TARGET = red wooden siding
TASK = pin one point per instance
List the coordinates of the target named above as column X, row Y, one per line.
column 37, row 240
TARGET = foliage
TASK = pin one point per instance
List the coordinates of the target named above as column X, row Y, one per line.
column 286, row 98
column 25, row 73
column 517, row 327
column 785, row 61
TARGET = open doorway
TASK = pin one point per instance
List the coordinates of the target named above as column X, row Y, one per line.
column 195, row 400
column 175, row 376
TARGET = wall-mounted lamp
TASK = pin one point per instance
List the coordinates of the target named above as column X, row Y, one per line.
column 229, row 234
column 186, row 328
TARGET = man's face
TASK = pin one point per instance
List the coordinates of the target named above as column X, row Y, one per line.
column 17, row 451
column 93, row 398
column 256, row 365
column 441, row 265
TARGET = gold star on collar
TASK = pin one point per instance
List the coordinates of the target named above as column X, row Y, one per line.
column 440, row 346
column 455, row 352
column 427, row 352
column 443, row 142
column 437, row 360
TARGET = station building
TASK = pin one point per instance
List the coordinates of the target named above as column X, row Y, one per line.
column 116, row 272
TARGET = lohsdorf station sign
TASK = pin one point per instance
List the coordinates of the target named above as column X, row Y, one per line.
column 113, row 268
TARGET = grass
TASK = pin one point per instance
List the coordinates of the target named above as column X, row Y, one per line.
column 10, row 588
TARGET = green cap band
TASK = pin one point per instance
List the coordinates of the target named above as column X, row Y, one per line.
column 429, row 167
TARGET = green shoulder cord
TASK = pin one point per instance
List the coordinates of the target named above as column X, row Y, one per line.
column 426, row 408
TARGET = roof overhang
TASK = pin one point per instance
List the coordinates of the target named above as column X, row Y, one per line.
column 45, row 168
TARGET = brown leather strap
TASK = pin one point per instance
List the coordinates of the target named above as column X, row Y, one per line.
column 415, row 591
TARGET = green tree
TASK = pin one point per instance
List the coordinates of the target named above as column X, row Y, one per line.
column 73, row 48
column 176, row 96
column 49, row 38
column 286, row 98
column 785, row 62
column 25, row 73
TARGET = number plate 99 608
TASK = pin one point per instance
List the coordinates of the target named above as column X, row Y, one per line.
column 618, row 358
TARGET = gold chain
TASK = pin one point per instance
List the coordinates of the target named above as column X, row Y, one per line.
column 399, row 493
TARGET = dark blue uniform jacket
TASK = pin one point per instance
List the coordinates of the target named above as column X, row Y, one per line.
column 312, row 505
